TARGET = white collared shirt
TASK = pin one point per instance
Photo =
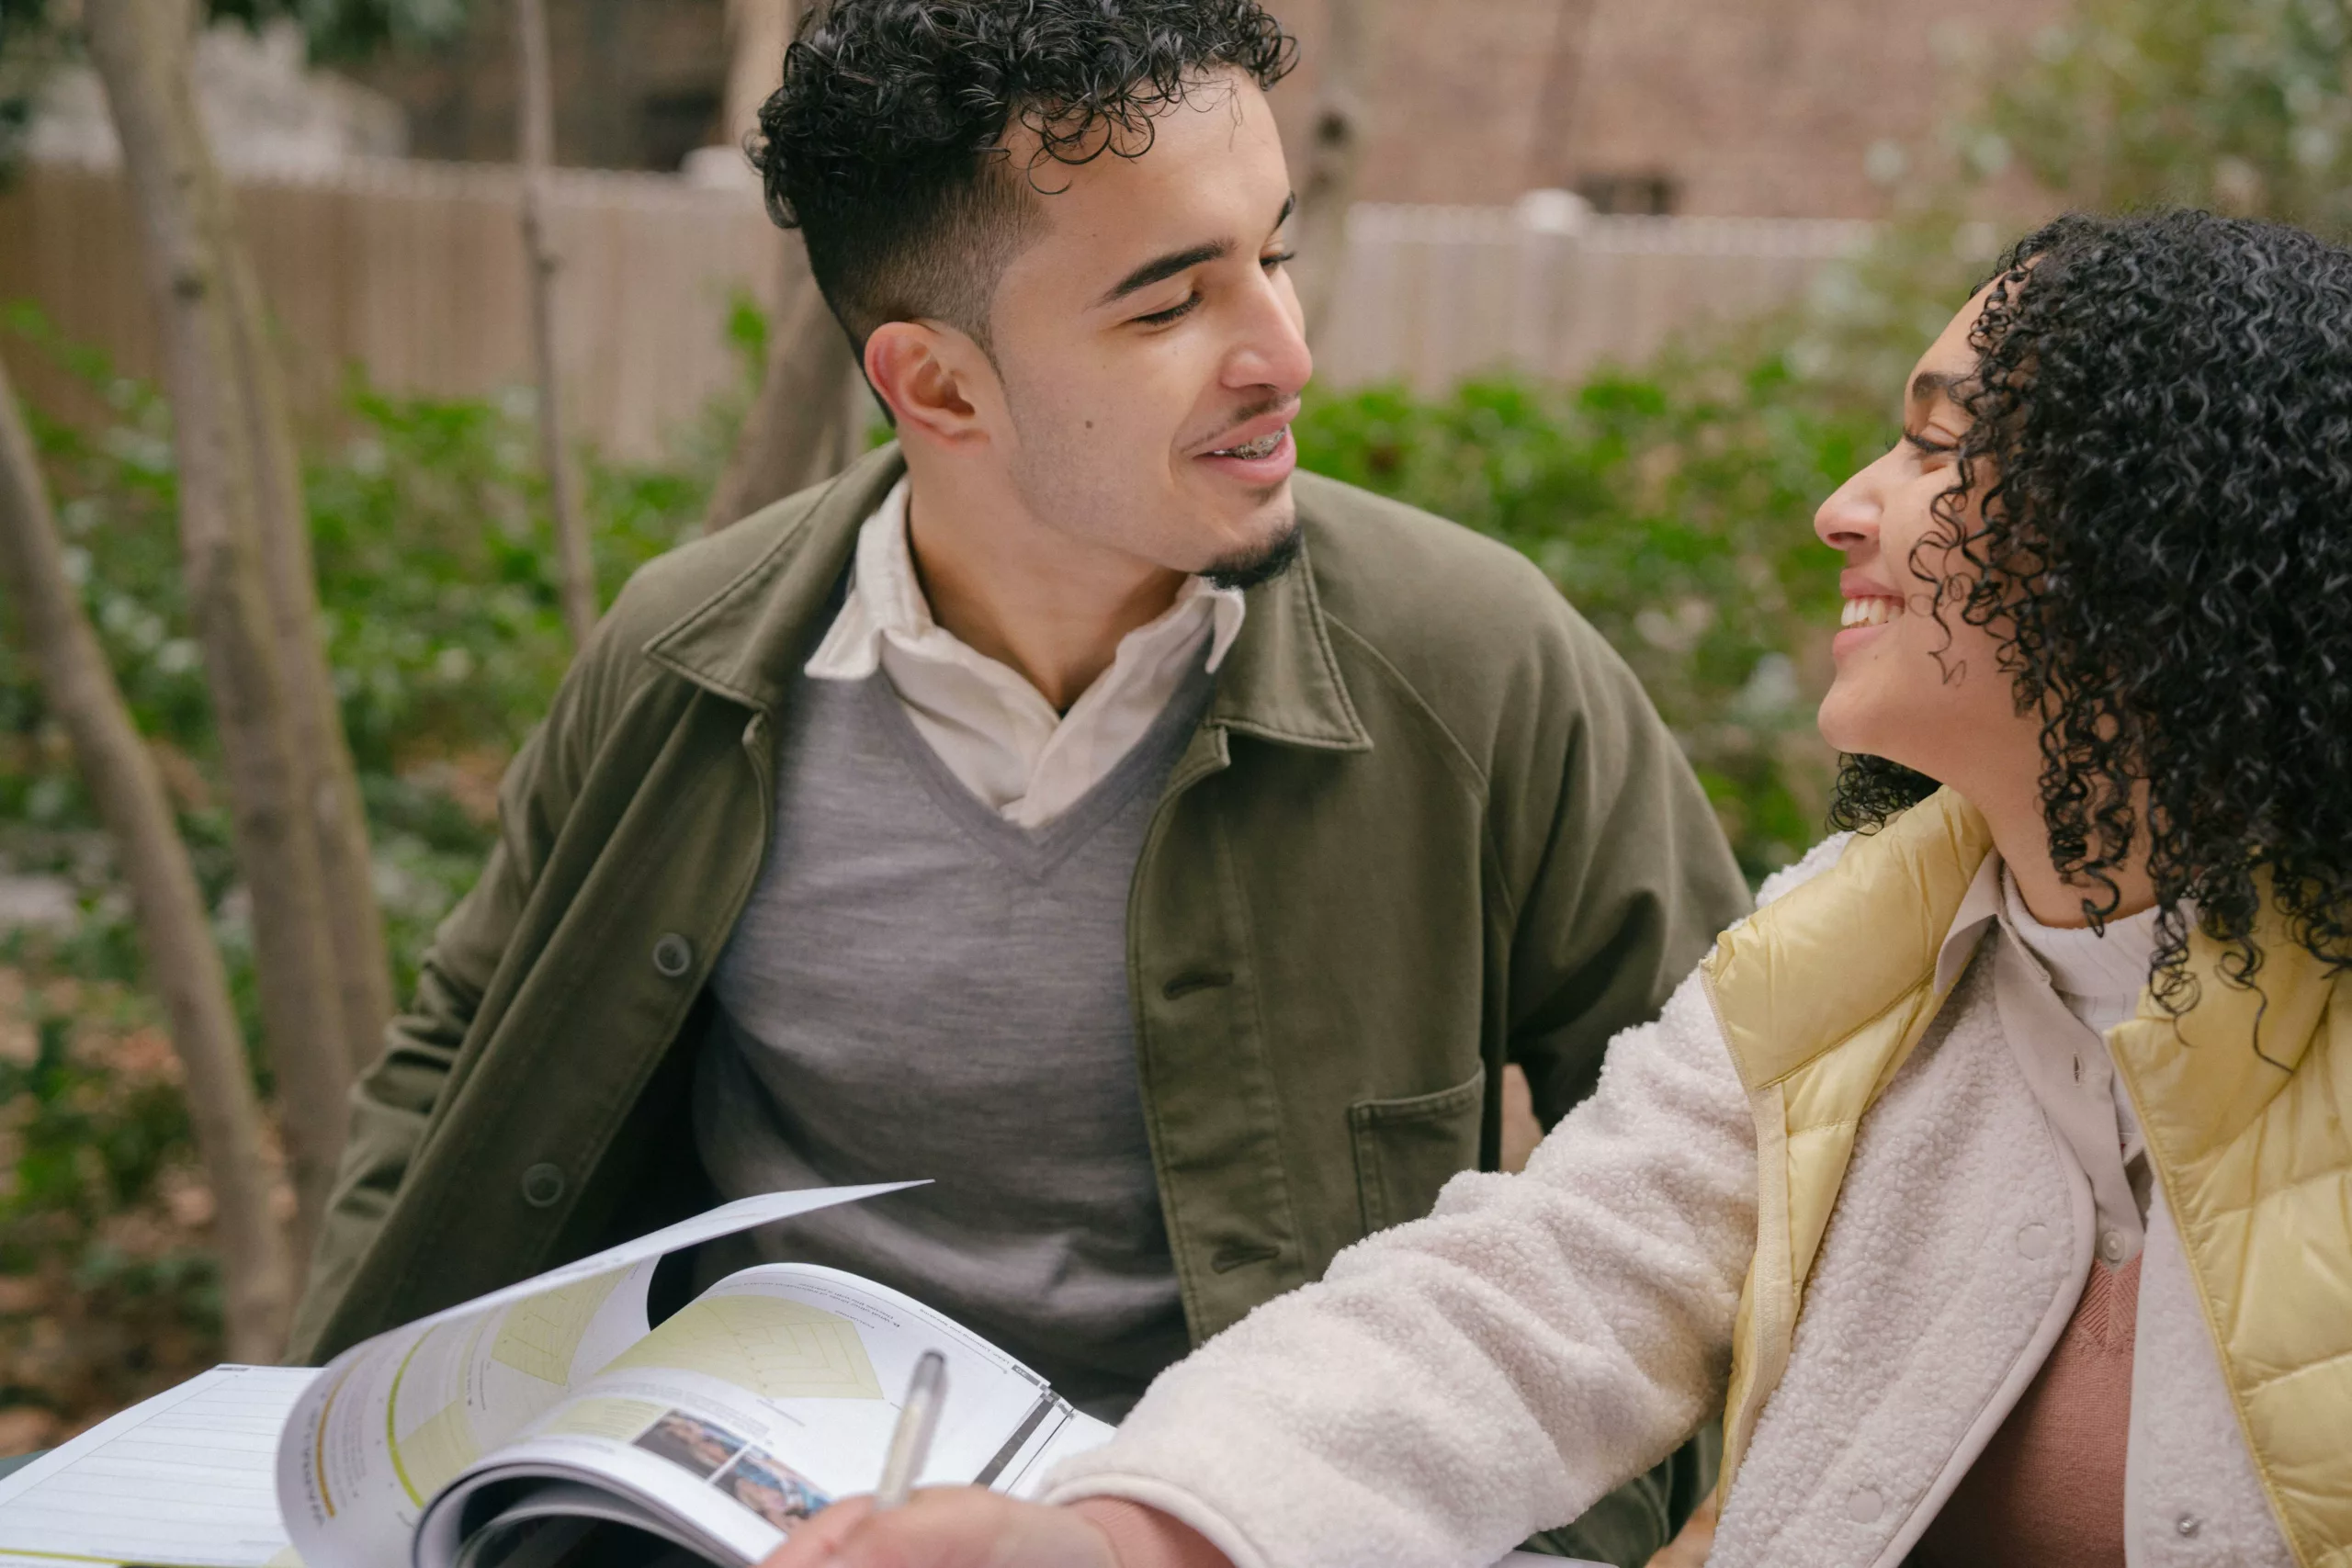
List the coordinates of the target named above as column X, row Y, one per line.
column 996, row 732
column 2059, row 991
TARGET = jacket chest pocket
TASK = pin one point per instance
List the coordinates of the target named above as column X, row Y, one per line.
column 1406, row 1149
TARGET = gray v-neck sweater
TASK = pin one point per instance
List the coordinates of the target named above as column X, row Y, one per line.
column 919, row 988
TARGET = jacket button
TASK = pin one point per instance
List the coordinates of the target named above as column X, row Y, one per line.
column 1865, row 1504
column 672, row 955
column 2033, row 1240
column 2186, row 1524
column 543, row 1186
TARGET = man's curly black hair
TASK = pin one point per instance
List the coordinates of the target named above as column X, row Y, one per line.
column 886, row 145
column 2162, row 430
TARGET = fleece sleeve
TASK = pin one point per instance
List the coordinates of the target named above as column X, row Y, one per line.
column 1455, row 1384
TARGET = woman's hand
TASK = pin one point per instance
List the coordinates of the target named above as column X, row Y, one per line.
column 963, row 1527
column 947, row 1526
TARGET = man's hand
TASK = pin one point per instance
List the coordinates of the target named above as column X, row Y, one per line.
column 947, row 1526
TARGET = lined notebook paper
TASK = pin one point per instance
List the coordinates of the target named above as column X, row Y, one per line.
column 188, row 1479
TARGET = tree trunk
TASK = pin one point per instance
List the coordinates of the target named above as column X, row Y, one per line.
column 140, row 49
column 1552, row 160
column 1334, row 154
column 758, row 31
column 330, row 781
column 799, row 429
column 184, row 968
column 537, row 136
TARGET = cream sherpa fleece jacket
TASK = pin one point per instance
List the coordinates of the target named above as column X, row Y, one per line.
column 1456, row 1384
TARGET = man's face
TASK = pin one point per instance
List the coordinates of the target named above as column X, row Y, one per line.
column 1149, row 331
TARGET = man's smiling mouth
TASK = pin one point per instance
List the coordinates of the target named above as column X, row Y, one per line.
column 1264, row 447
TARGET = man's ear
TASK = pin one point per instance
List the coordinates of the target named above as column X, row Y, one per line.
column 935, row 378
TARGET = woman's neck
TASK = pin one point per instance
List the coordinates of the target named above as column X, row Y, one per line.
column 2022, row 840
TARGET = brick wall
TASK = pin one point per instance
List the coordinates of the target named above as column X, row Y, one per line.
column 1742, row 107
column 1729, row 107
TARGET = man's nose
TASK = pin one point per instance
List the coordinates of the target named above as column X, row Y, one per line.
column 1272, row 350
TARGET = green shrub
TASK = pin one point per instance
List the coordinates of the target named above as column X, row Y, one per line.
column 1674, row 510
column 434, row 554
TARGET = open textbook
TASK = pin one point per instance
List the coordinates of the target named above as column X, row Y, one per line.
column 500, row 1434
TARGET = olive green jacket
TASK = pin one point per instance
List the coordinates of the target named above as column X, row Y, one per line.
column 1428, row 824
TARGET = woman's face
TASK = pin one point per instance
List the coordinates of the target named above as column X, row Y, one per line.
column 1912, row 686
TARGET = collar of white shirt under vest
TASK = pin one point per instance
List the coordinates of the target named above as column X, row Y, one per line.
column 1823, row 994
column 747, row 641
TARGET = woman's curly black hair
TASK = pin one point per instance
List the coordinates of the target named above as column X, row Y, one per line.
column 2162, row 429
column 887, row 143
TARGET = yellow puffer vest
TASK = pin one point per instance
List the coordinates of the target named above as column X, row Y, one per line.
column 1822, row 996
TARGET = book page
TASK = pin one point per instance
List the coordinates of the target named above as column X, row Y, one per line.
column 392, row 1421
column 772, row 1394
column 185, row 1480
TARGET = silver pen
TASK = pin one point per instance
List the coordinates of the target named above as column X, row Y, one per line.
column 911, row 1438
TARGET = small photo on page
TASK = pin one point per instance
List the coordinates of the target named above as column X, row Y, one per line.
column 691, row 1443
column 773, row 1490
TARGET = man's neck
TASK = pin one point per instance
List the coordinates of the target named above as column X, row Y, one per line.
column 1051, row 607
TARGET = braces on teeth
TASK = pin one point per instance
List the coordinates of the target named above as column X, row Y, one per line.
column 1261, row 447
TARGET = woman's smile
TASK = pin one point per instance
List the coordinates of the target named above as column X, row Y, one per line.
column 1866, row 615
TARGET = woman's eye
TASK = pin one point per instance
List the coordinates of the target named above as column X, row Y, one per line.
column 1279, row 258
column 1928, row 445
column 1173, row 312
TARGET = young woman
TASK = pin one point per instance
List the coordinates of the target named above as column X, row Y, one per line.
column 1994, row 1179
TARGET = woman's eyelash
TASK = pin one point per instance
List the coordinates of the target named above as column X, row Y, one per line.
column 1283, row 258
column 1933, row 448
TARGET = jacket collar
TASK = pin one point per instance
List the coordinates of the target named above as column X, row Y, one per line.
column 1280, row 682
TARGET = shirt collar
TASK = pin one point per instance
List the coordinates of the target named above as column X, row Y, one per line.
column 1980, row 908
column 2075, row 963
column 886, row 600
column 744, row 639
column 2112, row 961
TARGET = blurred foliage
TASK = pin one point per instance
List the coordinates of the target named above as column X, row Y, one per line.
column 341, row 30
column 2238, row 106
column 30, row 44
column 438, row 589
column 437, row 582
column 36, row 36
column 1674, row 510
column 103, row 1214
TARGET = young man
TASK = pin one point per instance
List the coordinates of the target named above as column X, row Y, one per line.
column 1063, row 803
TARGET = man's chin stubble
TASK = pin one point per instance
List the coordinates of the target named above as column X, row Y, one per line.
column 1261, row 564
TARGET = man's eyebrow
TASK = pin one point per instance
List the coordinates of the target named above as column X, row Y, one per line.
column 1160, row 269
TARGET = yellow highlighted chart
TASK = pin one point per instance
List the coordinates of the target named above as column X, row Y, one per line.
column 780, row 1350
column 433, row 1450
column 619, row 1419
column 542, row 1334
column 430, row 1456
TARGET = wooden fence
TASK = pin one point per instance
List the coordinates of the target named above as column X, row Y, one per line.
column 1430, row 295
column 414, row 272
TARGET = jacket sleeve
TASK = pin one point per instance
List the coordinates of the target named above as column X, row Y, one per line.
column 1456, row 1383
column 392, row 1104
column 1622, row 875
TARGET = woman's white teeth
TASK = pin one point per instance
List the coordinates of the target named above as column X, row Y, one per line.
column 1867, row 612
column 1262, row 447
